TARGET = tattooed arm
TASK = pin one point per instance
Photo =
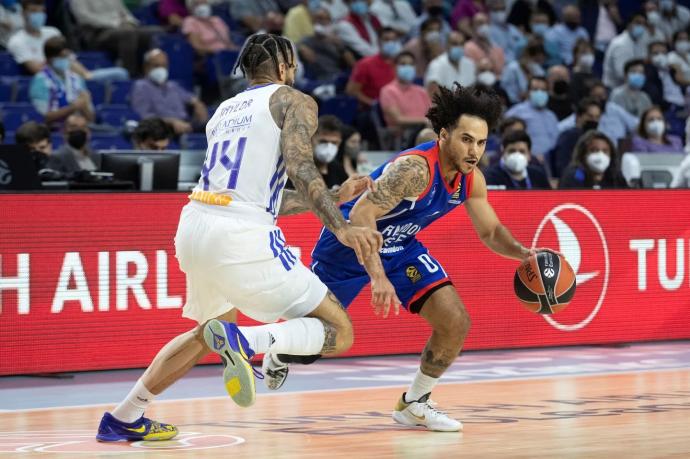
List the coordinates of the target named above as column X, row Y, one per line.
column 296, row 114
column 295, row 203
column 406, row 178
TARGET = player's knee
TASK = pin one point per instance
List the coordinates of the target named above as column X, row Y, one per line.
column 345, row 337
column 456, row 323
column 198, row 333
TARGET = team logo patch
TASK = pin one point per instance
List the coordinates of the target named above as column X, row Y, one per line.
column 549, row 272
column 456, row 195
column 413, row 274
column 218, row 341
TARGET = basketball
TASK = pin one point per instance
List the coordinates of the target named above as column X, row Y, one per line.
column 545, row 283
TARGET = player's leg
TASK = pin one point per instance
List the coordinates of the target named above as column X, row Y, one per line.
column 174, row 360
column 450, row 323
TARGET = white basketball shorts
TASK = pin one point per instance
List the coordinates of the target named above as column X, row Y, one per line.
column 232, row 262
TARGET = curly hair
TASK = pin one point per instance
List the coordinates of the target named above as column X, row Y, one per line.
column 450, row 104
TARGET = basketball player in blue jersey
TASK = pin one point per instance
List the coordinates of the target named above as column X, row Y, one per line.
column 413, row 190
column 233, row 254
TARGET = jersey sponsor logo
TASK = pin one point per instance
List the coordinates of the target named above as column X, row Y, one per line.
column 413, row 274
column 398, row 233
column 575, row 232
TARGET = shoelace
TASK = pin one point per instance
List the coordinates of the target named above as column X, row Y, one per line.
column 431, row 405
column 257, row 373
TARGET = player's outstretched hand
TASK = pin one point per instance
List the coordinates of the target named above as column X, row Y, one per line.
column 363, row 240
column 354, row 186
column 383, row 296
column 536, row 250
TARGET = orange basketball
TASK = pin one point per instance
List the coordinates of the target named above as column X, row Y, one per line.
column 545, row 283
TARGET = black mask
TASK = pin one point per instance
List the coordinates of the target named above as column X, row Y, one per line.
column 77, row 139
column 561, row 87
column 589, row 126
column 435, row 11
column 572, row 25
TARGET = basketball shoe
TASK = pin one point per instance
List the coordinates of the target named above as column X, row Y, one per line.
column 275, row 372
column 112, row 429
column 226, row 340
column 422, row 413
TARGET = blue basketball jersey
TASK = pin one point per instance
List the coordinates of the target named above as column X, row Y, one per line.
column 400, row 226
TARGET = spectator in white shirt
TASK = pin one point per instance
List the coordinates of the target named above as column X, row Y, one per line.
column 671, row 18
column 630, row 44
column 396, row 14
column 26, row 45
column 450, row 66
column 11, row 20
column 359, row 30
column 504, row 35
column 679, row 58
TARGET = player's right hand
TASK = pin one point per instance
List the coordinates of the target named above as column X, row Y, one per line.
column 383, row 296
column 363, row 240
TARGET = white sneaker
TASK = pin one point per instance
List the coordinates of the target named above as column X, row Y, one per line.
column 275, row 372
column 422, row 413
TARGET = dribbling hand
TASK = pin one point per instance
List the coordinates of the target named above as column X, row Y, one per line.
column 354, row 186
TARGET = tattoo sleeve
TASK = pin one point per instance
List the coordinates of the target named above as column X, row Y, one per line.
column 329, row 342
column 294, row 203
column 406, row 177
column 296, row 114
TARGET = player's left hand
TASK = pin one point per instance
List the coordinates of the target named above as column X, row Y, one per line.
column 354, row 186
column 383, row 296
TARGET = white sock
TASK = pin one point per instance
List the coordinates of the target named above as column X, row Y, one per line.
column 303, row 336
column 421, row 385
column 133, row 406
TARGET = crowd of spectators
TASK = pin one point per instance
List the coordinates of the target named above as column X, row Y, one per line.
column 582, row 81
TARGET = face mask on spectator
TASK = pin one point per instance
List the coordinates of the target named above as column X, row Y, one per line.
column 322, row 29
column 637, row 31
column 405, row 72
column 37, row 20
column 598, row 161
column 636, row 80
column 561, row 87
column 455, row 53
column 202, row 11
column 77, row 139
column 539, row 98
column 540, row 28
column 314, row 5
column 484, row 30
column 656, row 127
column 359, row 7
column 433, row 37
column 498, row 17
column 159, row 75
column 586, row 60
column 666, row 5
column 515, row 162
column 660, row 61
column 325, row 152
column 572, row 25
column 654, row 17
column 391, row 48
column 61, row 64
column 683, row 46
column 487, row 78
column 589, row 126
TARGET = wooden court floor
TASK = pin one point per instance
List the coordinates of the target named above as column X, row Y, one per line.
column 631, row 415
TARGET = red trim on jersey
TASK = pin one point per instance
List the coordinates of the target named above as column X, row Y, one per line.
column 468, row 184
column 421, row 293
column 431, row 162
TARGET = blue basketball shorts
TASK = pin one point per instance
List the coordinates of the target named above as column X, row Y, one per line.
column 414, row 273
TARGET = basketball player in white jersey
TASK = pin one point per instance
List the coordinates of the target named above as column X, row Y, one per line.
column 234, row 256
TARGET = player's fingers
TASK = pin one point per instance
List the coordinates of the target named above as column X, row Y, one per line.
column 396, row 304
column 358, row 251
column 371, row 184
column 368, row 245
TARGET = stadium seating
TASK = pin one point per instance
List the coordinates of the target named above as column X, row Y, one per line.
column 107, row 141
column 344, row 107
column 8, row 67
column 116, row 115
column 97, row 90
column 119, row 92
column 16, row 114
column 181, row 52
column 94, row 60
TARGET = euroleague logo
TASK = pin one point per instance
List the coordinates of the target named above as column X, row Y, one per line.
column 575, row 232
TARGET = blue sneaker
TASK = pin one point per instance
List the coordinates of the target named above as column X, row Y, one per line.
column 226, row 340
column 112, row 429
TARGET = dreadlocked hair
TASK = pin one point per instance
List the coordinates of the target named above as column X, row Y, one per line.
column 450, row 104
column 260, row 53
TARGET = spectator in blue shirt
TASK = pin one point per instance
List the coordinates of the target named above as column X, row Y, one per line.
column 504, row 35
column 566, row 34
column 56, row 92
column 542, row 124
column 155, row 95
column 516, row 74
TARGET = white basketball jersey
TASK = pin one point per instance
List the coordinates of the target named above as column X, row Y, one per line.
column 243, row 160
